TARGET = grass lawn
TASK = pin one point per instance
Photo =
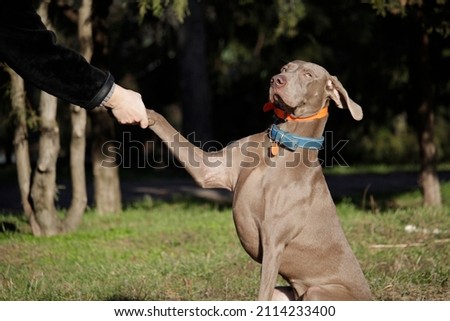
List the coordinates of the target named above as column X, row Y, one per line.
column 189, row 251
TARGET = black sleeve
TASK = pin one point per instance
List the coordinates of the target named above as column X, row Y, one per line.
column 31, row 50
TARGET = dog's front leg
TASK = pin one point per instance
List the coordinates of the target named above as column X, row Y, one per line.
column 209, row 170
column 269, row 267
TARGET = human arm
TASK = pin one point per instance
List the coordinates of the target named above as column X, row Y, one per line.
column 31, row 50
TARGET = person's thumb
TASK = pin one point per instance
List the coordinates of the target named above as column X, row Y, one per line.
column 144, row 122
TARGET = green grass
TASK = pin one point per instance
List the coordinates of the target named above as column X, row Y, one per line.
column 189, row 251
column 181, row 251
column 402, row 265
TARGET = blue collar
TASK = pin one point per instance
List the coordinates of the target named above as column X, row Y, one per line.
column 291, row 141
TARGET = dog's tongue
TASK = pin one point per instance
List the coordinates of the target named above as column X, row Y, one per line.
column 268, row 107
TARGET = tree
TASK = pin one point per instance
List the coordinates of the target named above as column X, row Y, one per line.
column 43, row 189
column 93, row 45
column 38, row 194
column 107, row 195
column 38, row 197
column 187, row 18
column 195, row 91
column 78, row 118
column 21, row 148
column 424, row 18
column 159, row 7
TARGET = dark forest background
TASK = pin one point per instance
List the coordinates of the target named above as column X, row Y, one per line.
column 209, row 70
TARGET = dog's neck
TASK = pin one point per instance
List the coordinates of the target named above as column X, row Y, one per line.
column 309, row 128
column 295, row 133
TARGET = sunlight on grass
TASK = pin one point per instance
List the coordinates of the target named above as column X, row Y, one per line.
column 175, row 251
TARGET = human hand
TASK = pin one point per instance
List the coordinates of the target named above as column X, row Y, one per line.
column 127, row 107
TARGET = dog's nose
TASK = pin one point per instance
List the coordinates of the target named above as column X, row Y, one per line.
column 278, row 81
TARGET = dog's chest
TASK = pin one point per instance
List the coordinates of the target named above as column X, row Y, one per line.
column 261, row 192
column 248, row 205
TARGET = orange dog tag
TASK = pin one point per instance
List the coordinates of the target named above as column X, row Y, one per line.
column 274, row 149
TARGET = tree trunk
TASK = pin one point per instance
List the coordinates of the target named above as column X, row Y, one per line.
column 21, row 148
column 106, row 178
column 78, row 139
column 107, row 195
column 422, row 87
column 41, row 211
column 195, row 93
column 77, row 169
column 43, row 190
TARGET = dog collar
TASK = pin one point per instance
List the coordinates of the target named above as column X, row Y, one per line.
column 281, row 114
column 291, row 141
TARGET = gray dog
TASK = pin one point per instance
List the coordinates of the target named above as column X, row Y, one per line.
column 283, row 211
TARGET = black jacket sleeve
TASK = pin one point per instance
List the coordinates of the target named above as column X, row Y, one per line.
column 31, row 50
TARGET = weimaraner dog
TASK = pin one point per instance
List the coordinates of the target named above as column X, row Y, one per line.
column 283, row 211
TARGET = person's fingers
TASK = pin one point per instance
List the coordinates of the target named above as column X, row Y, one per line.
column 144, row 123
column 127, row 107
column 130, row 117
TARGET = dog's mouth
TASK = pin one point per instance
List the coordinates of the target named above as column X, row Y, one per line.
column 279, row 102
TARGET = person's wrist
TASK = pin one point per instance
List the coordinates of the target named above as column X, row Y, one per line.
column 108, row 101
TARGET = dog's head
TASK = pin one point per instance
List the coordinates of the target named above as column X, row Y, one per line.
column 303, row 88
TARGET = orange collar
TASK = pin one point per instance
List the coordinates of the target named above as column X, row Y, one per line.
column 280, row 113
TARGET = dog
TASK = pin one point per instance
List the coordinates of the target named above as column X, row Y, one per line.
column 282, row 208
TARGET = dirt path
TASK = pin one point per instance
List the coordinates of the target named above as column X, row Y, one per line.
column 341, row 186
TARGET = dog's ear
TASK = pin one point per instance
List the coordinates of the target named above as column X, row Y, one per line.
column 339, row 95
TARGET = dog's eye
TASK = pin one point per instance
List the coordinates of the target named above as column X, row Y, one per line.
column 308, row 74
column 284, row 69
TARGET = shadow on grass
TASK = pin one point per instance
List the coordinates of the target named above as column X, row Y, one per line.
column 8, row 227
